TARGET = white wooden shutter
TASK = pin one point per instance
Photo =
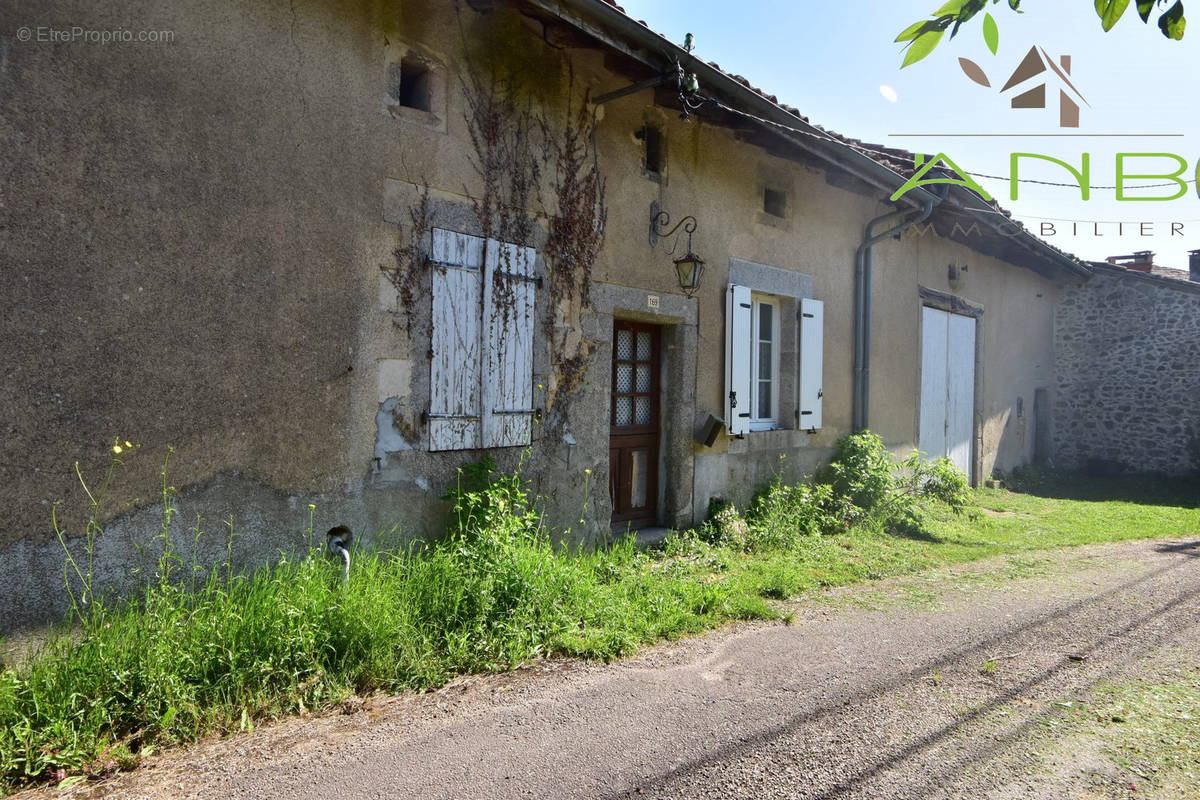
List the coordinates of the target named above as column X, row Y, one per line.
column 812, row 336
column 455, row 419
column 738, row 352
column 508, row 345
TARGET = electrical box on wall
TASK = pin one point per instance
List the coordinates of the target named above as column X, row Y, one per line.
column 710, row 431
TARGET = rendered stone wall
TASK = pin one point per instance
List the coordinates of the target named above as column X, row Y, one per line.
column 194, row 231
column 1128, row 373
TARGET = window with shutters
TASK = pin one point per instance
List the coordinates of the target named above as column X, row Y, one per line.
column 760, row 362
column 481, row 347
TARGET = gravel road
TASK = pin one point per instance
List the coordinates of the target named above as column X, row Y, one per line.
column 877, row 691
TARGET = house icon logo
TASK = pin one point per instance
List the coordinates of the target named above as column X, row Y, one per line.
column 1037, row 65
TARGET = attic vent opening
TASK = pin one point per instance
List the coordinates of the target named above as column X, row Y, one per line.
column 652, row 152
column 411, row 84
column 775, row 202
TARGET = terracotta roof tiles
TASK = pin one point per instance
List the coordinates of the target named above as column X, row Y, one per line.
column 896, row 159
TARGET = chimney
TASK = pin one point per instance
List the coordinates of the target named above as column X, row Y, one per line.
column 1194, row 265
column 1141, row 261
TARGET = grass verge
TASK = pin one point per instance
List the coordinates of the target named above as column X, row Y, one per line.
column 1149, row 728
column 223, row 653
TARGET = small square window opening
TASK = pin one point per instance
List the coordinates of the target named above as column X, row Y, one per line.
column 652, row 143
column 775, row 202
column 410, row 83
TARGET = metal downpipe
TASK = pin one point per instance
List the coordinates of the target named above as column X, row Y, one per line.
column 862, row 303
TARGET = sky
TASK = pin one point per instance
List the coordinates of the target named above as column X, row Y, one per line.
column 838, row 64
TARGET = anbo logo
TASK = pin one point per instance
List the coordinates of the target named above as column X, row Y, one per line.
column 1136, row 177
column 1036, row 64
column 1028, row 87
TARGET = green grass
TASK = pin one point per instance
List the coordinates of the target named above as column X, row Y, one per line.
column 1150, row 728
column 232, row 650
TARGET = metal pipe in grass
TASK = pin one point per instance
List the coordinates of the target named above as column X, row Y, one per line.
column 337, row 541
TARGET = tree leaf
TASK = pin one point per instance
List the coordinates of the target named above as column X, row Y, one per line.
column 1144, row 9
column 921, row 46
column 952, row 7
column 971, row 8
column 1172, row 23
column 1015, row 5
column 991, row 33
column 974, row 72
column 1110, row 12
column 915, row 30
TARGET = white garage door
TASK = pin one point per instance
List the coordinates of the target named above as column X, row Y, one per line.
column 947, row 386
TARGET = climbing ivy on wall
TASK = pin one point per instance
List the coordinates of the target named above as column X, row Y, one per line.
column 536, row 160
column 411, row 260
column 575, row 238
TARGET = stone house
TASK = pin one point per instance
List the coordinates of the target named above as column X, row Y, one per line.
column 334, row 252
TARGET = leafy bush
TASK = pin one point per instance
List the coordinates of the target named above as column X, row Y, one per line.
column 782, row 514
column 485, row 500
column 862, row 471
column 726, row 527
column 864, row 474
column 862, row 485
column 938, row 479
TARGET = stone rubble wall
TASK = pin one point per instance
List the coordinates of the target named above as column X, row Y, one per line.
column 1127, row 353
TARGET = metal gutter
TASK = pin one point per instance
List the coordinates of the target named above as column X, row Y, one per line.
column 1034, row 245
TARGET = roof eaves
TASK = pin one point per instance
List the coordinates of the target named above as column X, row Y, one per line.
column 825, row 144
column 885, row 172
column 1182, row 283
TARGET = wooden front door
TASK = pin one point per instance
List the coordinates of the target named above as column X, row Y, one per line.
column 634, row 431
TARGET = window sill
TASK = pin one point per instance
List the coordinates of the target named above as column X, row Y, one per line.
column 772, row 221
column 416, row 116
column 778, row 439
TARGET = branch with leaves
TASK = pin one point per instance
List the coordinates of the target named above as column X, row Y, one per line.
column 922, row 37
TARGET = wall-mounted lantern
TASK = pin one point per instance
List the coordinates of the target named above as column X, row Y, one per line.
column 689, row 268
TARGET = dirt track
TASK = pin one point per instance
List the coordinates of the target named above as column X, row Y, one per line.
column 877, row 691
